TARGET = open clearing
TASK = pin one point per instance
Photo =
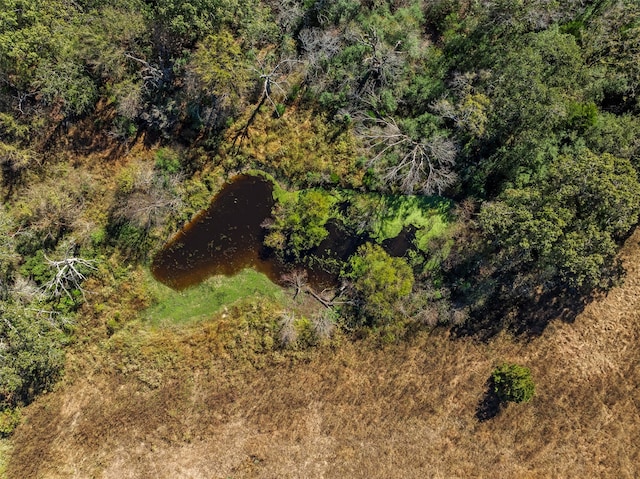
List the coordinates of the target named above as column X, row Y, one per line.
column 354, row 410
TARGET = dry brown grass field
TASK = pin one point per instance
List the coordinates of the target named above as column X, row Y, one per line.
column 190, row 409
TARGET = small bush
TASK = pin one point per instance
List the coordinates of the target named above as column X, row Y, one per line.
column 9, row 420
column 167, row 161
column 279, row 111
column 513, row 383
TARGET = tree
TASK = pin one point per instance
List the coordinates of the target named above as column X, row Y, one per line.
column 179, row 24
column 299, row 223
column 611, row 40
column 377, row 282
column 566, row 223
column 8, row 255
column 65, row 83
column 517, row 94
column 26, row 37
column 275, row 82
column 411, row 163
column 31, row 355
column 513, row 383
column 319, row 47
column 469, row 111
column 221, row 68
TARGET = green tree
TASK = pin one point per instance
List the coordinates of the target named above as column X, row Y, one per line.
column 8, row 255
column 513, row 383
column 223, row 77
column 182, row 23
column 378, row 281
column 26, row 36
column 32, row 355
column 65, row 83
column 610, row 40
column 299, row 222
column 565, row 225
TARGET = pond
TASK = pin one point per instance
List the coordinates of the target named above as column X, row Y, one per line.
column 228, row 237
column 224, row 239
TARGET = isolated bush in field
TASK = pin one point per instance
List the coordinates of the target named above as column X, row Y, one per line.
column 513, row 383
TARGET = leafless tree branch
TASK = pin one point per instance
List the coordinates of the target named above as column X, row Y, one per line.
column 423, row 165
column 68, row 276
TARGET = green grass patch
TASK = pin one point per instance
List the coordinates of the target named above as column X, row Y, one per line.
column 201, row 302
column 390, row 214
column 430, row 215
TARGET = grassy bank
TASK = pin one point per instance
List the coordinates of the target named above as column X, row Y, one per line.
column 203, row 301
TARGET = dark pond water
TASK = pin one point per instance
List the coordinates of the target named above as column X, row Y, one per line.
column 228, row 237
column 223, row 239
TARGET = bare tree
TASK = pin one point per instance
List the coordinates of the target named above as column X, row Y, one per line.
column 151, row 75
column 319, row 46
column 288, row 332
column 413, row 165
column 151, row 199
column 381, row 66
column 287, row 13
column 274, row 81
column 70, row 273
column 25, row 290
column 324, row 323
column 296, row 279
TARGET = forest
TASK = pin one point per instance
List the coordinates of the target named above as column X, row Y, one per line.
column 499, row 139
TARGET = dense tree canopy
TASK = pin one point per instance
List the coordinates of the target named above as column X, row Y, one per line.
column 568, row 224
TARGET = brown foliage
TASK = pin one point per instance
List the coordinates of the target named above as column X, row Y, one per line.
column 149, row 199
column 407, row 410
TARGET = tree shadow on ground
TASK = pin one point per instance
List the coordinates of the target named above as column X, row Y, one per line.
column 489, row 405
column 526, row 317
column 559, row 304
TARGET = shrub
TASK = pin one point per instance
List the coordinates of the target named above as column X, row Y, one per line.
column 378, row 282
column 299, row 223
column 167, row 161
column 513, row 383
column 9, row 420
